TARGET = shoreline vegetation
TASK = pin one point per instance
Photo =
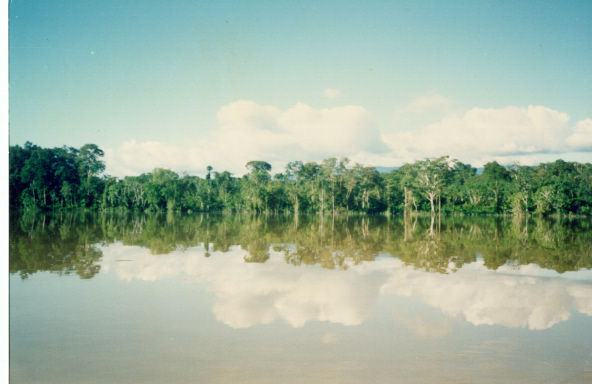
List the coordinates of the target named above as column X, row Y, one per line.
column 67, row 178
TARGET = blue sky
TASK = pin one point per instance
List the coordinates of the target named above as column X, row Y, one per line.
column 183, row 84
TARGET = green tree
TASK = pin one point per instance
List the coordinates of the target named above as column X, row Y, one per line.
column 496, row 178
column 257, row 180
column 431, row 174
column 90, row 163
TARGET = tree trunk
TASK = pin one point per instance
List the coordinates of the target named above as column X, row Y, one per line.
column 333, row 202
column 439, row 204
column 406, row 206
column 496, row 198
column 405, row 197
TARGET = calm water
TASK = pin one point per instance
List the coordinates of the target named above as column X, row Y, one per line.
column 198, row 299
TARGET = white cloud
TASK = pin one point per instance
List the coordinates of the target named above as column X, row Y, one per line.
column 132, row 158
column 480, row 135
column 331, row 93
column 247, row 294
column 581, row 137
column 250, row 131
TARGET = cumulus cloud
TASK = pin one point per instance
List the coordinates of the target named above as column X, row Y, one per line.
column 300, row 128
column 250, row 131
column 132, row 158
column 331, row 93
column 248, row 294
column 480, row 135
column 581, row 137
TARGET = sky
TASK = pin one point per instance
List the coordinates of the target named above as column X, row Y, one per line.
column 186, row 84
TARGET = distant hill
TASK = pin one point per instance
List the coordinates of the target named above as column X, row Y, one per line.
column 385, row 169
column 388, row 169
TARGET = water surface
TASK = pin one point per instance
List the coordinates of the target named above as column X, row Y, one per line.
column 183, row 299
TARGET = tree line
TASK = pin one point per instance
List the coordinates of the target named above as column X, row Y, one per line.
column 68, row 178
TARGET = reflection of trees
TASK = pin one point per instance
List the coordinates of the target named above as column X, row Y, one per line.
column 258, row 251
column 432, row 249
column 67, row 243
column 62, row 244
column 345, row 241
column 561, row 245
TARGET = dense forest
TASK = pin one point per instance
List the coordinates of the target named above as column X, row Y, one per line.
column 67, row 178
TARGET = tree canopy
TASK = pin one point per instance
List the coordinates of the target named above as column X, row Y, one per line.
column 67, row 178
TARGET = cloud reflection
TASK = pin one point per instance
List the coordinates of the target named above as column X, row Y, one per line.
column 249, row 294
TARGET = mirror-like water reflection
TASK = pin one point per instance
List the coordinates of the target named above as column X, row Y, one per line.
column 69, row 243
column 307, row 299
